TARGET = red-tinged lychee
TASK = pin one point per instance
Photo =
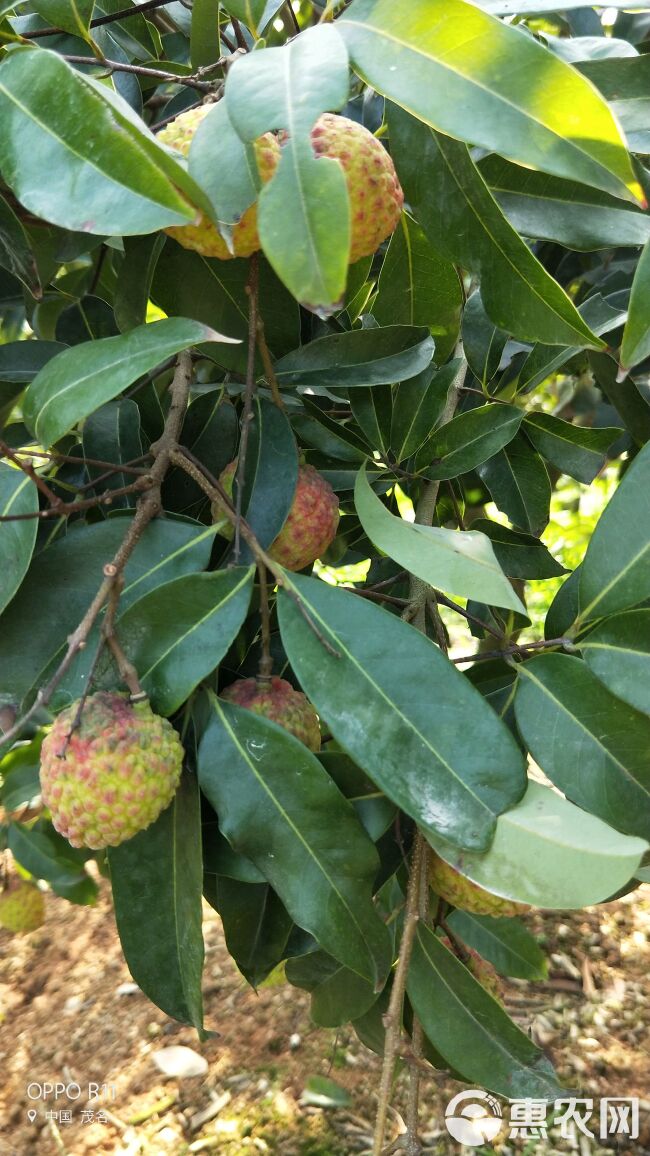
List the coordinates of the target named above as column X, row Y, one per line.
column 456, row 889
column 481, row 969
column 376, row 196
column 311, row 523
column 22, row 908
column 205, row 237
column 111, row 775
column 277, row 700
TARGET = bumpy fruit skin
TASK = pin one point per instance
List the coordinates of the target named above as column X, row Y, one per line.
column 204, row 237
column 461, row 892
column 120, row 769
column 22, row 908
column 279, row 702
column 481, row 969
column 311, row 523
column 376, row 196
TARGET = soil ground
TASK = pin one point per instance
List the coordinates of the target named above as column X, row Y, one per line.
column 67, row 1017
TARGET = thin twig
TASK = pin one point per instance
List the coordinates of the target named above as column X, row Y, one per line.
column 237, row 29
column 269, row 372
column 140, row 70
column 126, row 669
column 148, row 6
column 28, row 468
column 444, row 601
column 247, row 414
column 265, row 668
column 62, row 509
column 517, row 648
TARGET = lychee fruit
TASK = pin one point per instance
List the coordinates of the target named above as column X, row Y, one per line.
column 113, row 774
column 22, row 908
column 376, row 196
column 311, row 523
column 454, row 888
column 480, row 968
column 205, row 237
column 277, row 700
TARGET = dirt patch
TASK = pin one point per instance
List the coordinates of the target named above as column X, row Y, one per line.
column 71, row 1016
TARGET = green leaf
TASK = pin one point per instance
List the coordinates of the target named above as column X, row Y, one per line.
column 483, row 343
column 271, row 474
column 470, row 1029
column 376, row 699
column 19, row 775
column 112, row 434
column 358, row 357
column 372, row 410
column 461, row 217
column 552, row 209
column 16, row 251
column 624, row 84
column 471, row 438
column 631, row 404
column 563, row 610
column 423, row 65
column 519, row 555
column 618, row 652
column 590, row 744
column 80, row 379
column 292, row 827
column 576, row 450
column 303, row 212
column 636, row 337
column 462, row 562
column 550, row 853
column 41, row 855
column 178, row 633
column 18, row 495
column 519, row 484
column 417, row 286
column 506, row 943
column 107, row 180
column 544, row 359
column 210, row 431
column 20, row 361
column 250, row 12
column 418, row 406
column 325, row 1093
column 156, row 879
column 615, row 573
column 63, row 580
column 134, row 279
column 224, row 166
column 256, row 924
column 205, row 43
column 337, row 994
column 72, row 16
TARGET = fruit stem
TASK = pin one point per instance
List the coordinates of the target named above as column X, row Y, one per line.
column 265, row 668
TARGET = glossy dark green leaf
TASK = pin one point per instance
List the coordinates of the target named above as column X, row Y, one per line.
column 278, row 806
column 359, row 357
column 64, row 578
column 43, row 857
column 417, row 286
column 550, row 853
column 563, row 610
column 636, row 337
column 615, row 573
column 19, row 775
column 225, row 167
column 156, row 879
column 418, row 406
column 519, row 555
column 483, row 343
column 20, row 361
column 89, row 318
column 16, row 251
column 462, row 562
column 506, row 943
column 632, row 406
column 337, row 994
column 376, row 699
column 543, row 360
column 593, row 746
column 423, row 65
column 72, row 16
column 79, row 380
column 470, row 1029
column 271, row 474
column 134, row 279
column 18, row 495
column 583, row 218
column 579, row 451
column 372, row 409
column 334, row 437
column 461, row 217
column 214, row 292
column 519, row 484
column 112, row 434
column 624, row 83
column 205, row 43
column 471, row 438
column 108, row 179
column 618, row 652
column 303, row 212
column 179, row 632
column 256, row 924
column 210, row 431
column 220, row 859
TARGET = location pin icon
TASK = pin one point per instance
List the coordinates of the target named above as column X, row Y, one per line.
column 31, row 1115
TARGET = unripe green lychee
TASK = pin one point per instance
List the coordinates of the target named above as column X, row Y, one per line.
column 277, row 700
column 461, row 892
column 113, row 775
column 311, row 523
column 481, row 969
column 22, row 908
column 205, row 237
column 376, row 196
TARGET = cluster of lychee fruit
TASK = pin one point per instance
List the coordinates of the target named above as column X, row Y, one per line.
column 374, row 192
